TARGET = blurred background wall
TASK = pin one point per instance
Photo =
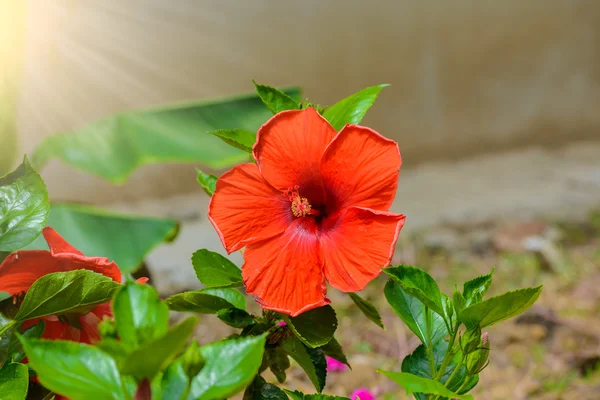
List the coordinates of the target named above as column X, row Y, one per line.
column 468, row 77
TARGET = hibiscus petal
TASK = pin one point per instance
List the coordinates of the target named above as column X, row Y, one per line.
column 57, row 244
column 57, row 330
column 246, row 209
column 289, row 148
column 89, row 327
column 285, row 273
column 357, row 244
column 360, row 168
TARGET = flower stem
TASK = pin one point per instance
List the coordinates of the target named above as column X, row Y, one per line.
column 448, row 356
column 429, row 348
column 460, row 363
column 7, row 327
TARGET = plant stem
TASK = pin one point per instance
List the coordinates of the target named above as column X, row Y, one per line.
column 428, row 345
column 463, row 384
column 448, row 356
column 7, row 327
column 460, row 363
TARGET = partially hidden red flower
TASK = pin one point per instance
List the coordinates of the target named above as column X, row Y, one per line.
column 314, row 208
column 19, row 270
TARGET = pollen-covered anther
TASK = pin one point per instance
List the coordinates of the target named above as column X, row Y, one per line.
column 300, row 205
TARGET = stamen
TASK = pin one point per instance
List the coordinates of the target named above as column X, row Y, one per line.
column 300, row 205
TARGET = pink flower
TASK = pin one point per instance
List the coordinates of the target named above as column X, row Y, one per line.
column 334, row 365
column 362, row 394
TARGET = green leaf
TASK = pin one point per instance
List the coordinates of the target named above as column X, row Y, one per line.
column 235, row 317
column 475, row 289
column 140, row 316
column 419, row 284
column 125, row 239
column 412, row 312
column 207, row 301
column 297, row 395
column 230, row 366
column 278, row 362
column 175, row 382
column 75, row 370
column 208, row 182
column 14, row 381
column 367, row 308
column 499, row 308
column 295, row 349
column 417, row 363
column 416, row 384
column 214, row 270
column 317, row 356
column 261, row 390
column 334, row 350
column 117, row 349
column 315, row 327
column 114, row 147
column 275, row 99
column 15, row 349
column 458, row 301
column 153, row 356
column 24, row 207
column 352, row 109
column 238, row 138
column 59, row 292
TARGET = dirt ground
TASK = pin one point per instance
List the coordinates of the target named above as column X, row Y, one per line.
column 550, row 352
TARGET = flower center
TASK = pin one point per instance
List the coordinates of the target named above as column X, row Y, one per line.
column 300, row 205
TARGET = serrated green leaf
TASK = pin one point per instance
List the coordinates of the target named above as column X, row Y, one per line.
column 275, row 99
column 207, row 301
column 15, row 349
column 140, row 316
column 475, row 289
column 74, row 370
column 230, row 366
column 235, row 317
column 114, row 147
column 207, row 182
column 59, row 292
column 299, row 352
column 125, row 239
column 14, row 381
column 24, row 207
column 367, row 309
column 416, row 384
column 315, row 327
column 153, row 356
column 238, row 138
column 419, row 284
column 412, row 311
column 214, row 270
column 353, row 108
column 499, row 308
column 334, row 350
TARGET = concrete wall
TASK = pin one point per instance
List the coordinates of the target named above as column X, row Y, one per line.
column 467, row 76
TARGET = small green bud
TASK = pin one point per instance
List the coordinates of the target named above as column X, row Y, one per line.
column 471, row 340
column 192, row 360
column 477, row 360
column 449, row 307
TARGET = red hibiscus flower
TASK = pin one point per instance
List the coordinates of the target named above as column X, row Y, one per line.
column 312, row 209
column 19, row 270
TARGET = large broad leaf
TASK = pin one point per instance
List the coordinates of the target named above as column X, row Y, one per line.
column 124, row 239
column 230, row 366
column 413, row 312
column 114, row 147
column 316, row 372
column 214, row 270
column 139, row 314
column 151, row 357
column 14, row 381
column 367, row 308
column 474, row 289
column 62, row 292
column 352, row 109
column 419, row 284
column 275, row 99
column 24, row 207
column 261, row 390
column 416, row 384
column 315, row 327
column 297, row 395
column 175, row 382
column 207, row 301
column 74, row 370
column 499, row 308
column 15, row 349
column 417, row 363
